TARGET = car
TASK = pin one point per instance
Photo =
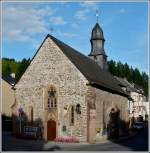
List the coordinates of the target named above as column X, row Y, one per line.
column 138, row 126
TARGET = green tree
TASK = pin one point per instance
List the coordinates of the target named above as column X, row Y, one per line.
column 132, row 75
column 6, row 70
column 22, row 67
column 112, row 67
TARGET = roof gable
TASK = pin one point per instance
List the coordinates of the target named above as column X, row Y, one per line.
column 89, row 68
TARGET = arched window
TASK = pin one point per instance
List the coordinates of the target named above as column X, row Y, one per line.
column 72, row 115
column 52, row 101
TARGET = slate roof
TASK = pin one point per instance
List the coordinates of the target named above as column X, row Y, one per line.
column 97, row 32
column 9, row 79
column 89, row 68
column 130, row 87
column 139, row 88
column 125, row 83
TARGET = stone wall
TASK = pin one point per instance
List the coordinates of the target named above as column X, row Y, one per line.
column 104, row 102
column 51, row 67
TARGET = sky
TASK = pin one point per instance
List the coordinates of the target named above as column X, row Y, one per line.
column 124, row 24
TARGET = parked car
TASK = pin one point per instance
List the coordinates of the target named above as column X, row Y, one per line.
column 138, row 126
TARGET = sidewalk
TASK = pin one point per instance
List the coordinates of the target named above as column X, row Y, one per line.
column 53, row 145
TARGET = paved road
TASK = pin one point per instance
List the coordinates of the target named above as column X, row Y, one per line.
column 139, row 142
column 136, row 143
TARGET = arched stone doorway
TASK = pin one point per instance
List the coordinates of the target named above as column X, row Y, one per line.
column 51, row 130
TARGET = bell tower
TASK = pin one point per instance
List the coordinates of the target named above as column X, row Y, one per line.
column 97, row 47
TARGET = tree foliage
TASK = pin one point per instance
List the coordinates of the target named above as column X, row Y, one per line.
column 132, row 75
column 22, row 67
column 12, row 66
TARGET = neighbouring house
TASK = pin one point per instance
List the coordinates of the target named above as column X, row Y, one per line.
column 8, row 95
column 66, row 93
column 138, row 104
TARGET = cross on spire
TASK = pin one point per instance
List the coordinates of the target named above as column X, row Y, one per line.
column 97, row 14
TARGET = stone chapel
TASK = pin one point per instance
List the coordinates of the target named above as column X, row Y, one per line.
column 67, row 93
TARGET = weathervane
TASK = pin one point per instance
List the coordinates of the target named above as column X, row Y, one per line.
column 97, row 14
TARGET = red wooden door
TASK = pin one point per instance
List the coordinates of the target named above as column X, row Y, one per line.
column 51, row 130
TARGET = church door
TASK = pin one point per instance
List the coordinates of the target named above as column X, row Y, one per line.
column 51, row 130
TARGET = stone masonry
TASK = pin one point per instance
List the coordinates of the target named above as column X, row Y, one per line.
column 50, row 67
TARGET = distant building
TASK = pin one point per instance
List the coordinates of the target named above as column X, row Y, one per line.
column 66, row 93
column 138, row 104
column 8, row 96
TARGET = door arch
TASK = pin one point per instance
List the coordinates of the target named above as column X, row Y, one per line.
column 51, row 130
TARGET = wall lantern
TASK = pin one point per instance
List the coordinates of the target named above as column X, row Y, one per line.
column 78, row 109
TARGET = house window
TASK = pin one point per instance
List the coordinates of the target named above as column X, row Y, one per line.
column 72, row 116
column 52, row 101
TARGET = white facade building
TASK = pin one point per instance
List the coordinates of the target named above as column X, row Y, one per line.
column 138, row 105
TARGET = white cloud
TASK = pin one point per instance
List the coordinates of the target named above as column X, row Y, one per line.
column 17, row 35
column 21, row 23
column 86, row 8
column 82, row 14
column 57, row 20
column 89, row 4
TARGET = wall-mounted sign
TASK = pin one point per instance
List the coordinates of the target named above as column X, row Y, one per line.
column 98, row 130
column 20, row 110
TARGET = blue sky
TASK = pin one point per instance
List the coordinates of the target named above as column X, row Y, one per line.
column 125, row 27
